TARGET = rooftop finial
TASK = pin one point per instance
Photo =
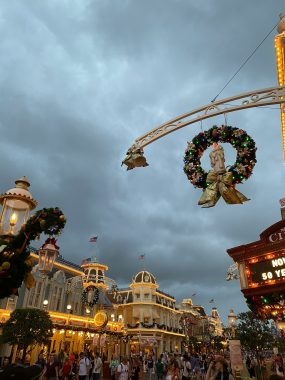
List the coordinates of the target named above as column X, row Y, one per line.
column 281, row 24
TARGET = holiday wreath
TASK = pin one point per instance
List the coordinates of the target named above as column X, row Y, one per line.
column 15, row 264
column 230, row 176
column 93, row 300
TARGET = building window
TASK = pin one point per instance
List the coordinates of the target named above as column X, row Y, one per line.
column 32, row 295
column 38, row 294
column 137, row 296
column 54, row 294
column 146, row 295
column 58, row 301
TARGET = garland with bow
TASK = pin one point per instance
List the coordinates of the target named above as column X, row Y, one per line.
column 15, row 263
column 241, row 170
column 220, row 181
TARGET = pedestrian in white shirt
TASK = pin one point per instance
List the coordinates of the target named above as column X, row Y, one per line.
column 97, row 367
column 123, row 370
column 84, row 364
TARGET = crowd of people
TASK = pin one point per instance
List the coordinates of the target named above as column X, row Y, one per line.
column 169, row 366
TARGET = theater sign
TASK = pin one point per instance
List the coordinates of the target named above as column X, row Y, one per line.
column 261, row 267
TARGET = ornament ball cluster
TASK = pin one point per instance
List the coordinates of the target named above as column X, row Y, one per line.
column 238, row 138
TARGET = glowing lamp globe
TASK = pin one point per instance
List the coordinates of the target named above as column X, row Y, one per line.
column 232, row 319
column 16, row 206
column 47, row 255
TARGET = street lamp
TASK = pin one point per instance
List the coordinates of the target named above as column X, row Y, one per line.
column 16, row 206
column 232, row 321
column 45, row 304
column 69, row 308
column 47, row 255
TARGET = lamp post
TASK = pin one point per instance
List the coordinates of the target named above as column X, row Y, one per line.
column 69, row 311
column 45, row 304
column 232, row 321
column 16, row 206
column 47, row 255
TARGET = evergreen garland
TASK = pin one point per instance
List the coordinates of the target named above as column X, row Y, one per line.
column 238, row 138
column 15, row 264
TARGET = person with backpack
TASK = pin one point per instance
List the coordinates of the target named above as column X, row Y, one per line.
column 84, row 364
column 122, row 372
column 97, row 366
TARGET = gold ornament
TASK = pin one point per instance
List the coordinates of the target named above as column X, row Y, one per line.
column 62, row 218
column 42, row 223
column 6, row 265
column 220, row 185
column 29, row 280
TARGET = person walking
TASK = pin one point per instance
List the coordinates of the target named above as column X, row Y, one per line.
column 84, row 364
column 150, row 366
column 159, row 369
column 186, row 367
column 97, row 367
column 123, row 370
column 113, row 366
column 51, row 371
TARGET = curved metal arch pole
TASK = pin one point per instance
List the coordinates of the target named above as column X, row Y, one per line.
column 258, row 98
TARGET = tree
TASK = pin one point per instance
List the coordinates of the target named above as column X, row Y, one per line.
column 253, row 333
column 27, row 327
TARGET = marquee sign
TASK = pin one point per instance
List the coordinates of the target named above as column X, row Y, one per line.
column 269, row 270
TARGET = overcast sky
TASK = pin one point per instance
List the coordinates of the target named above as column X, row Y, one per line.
column 81, row 79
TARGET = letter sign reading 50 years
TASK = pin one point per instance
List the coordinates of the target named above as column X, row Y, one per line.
column 273, row 269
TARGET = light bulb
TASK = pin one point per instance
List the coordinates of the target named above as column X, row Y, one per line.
column 13, row 219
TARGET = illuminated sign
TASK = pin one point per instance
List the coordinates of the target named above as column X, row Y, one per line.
column 277, row 236
column 263, row 271
column 100, row 319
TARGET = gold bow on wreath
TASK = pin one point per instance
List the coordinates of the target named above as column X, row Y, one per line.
column 220, row 184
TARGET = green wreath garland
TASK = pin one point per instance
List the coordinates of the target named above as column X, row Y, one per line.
column 238, row 138
column 95, row 297
column 15, row 264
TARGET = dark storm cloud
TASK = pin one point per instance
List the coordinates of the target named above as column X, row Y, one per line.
column 80, row 80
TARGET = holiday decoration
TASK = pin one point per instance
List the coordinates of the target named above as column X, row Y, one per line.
column 90, row 296
column 15, row 263
column 220, row 181
column 268, row 306
column 100, row 319
column 134, row 159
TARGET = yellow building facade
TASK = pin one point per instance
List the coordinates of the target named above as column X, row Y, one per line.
column 137, row 320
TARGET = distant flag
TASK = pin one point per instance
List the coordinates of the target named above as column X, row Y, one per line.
column 194, row 294
column 93, row 239
column 86, row 261
column 212, row 300
column 141, row 257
